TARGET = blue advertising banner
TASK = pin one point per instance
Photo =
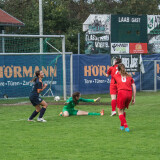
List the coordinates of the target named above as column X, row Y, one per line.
column 158, row 75
column 151, row 57
column 16, row 72
column 89, row 74
column 147, row 79
column 92, row 71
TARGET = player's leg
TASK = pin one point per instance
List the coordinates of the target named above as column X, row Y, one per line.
column 113, row 104
column 38, row 108
column 127, row 102
column 84, row 113
column 124, row 113
column 65, row 114
column 121, row 104
column 42, row 111
column 113, row 93
column 122, row 119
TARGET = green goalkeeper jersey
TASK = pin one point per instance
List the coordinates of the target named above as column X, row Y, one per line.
column 70, row 103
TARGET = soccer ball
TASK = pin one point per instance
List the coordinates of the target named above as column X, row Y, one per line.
column 56, row 98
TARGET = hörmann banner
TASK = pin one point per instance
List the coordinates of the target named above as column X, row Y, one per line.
column 16, row 72
column 90, row 72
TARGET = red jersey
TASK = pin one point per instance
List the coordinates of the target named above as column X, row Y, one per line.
column 112, row 71
column 123, row 83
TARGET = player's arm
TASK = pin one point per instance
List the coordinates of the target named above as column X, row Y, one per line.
column 97, row 99
column 108, row 72
column 134, row 93
column 107, row 75
column 68, row 101
column 90, row 100
column 40, row 88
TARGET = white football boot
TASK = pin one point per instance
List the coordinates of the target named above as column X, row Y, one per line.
column 41, row 120
column 113, row 113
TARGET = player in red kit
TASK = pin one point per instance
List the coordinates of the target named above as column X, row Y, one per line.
column 125, row 84
column 113, row 87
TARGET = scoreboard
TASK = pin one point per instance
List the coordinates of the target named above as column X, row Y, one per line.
column 128, row 29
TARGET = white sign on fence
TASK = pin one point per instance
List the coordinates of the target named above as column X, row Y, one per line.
column 119, row 48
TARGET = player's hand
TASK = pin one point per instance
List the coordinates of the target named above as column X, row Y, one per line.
column 66, row 103
column 97, row 99
column 45, row 85
column 133, row 101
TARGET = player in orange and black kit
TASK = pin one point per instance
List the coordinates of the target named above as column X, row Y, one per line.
column 125, row 84
column 113, row 87
column 37, row 101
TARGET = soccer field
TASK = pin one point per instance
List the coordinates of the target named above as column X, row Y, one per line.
column 82, row 137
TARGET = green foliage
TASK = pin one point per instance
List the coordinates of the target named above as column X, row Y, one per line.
column 137, row 7
column 26, row 11
column 55, row 17
column 67, row 16
column 105, row 7
column 72, row 39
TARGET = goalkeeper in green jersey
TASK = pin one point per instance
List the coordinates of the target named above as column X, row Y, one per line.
column 69, row 110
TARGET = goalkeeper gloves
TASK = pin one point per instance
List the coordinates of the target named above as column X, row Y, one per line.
column 97, row 99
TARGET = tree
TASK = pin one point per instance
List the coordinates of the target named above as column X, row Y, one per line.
column 27, row 12
column 67, row 16
column 138, row 7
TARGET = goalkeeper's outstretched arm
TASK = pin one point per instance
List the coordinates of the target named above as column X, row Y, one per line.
column 97, row 99
column 90, row 100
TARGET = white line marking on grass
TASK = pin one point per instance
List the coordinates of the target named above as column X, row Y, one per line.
column 19, row 120
column 27, row 119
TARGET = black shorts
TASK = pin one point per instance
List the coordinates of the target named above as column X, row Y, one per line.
column 35, row 100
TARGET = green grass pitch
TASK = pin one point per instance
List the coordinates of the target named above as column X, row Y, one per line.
column 82, row 137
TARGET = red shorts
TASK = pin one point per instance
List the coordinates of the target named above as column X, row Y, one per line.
column 113, row 89
column 124, row 98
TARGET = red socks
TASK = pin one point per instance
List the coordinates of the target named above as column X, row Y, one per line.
column 124, row 113
column 113, row 104
column 123, row 121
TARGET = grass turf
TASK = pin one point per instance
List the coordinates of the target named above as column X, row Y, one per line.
column 82, row 137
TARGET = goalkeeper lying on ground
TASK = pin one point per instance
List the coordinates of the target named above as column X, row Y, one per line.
column 69, row 110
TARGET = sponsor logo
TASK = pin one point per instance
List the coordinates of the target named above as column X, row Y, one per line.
column 95, row 70
column 158, row 68
column 24, row 71
column 119, row 48
column 138, row 47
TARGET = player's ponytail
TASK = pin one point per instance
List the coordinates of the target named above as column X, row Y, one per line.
column 118, row 61
column 122, row 70
column 74, row 95
column 37, row 73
